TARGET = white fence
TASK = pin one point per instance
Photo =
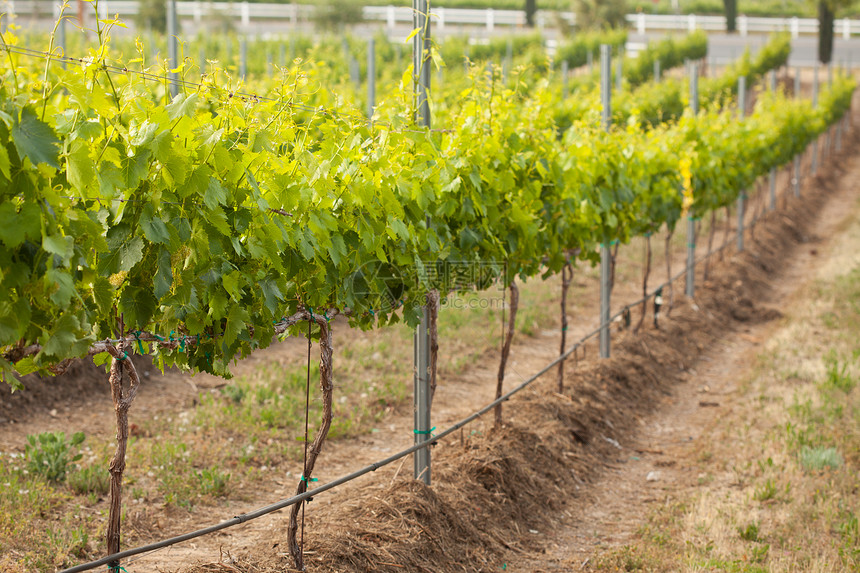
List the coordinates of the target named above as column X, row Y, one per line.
column 393, row 16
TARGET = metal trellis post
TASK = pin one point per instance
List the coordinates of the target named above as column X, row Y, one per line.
column 421, row 397
column 371, row 77
column 564, row 79
column 796, row 179
column 61, row 31
column 691, row 219
column 814, row 167
column 772, row 175
column 172, row 47
column 742, row 107
column 243, row 57
column 605, row 254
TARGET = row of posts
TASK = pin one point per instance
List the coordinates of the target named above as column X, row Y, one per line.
column 421, row 340
column 421, row 67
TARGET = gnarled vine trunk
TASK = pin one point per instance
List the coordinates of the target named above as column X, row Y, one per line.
column 506, row 350
column 325, row 424
column 646, row 274
column 566, row 279
column 121, row 402
column 433, row 307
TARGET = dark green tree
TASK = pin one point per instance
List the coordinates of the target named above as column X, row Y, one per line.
column 731, row 15
column 600, row 14
column 152, row 15
column 826, row 16
column 530, row 10
column 827, row 10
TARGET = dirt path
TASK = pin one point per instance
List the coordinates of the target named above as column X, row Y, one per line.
column 657, row 466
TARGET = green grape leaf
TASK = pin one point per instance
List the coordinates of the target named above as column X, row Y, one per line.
column 4, row 163
column 138, row 306
column 182, row 106
column 79, row 166
column 215, row 194
column 136, row 168
column 35, row 139
column 123, row 253
column 26, row 366
column 237, row 319
column 153, row 227
column 272, row 293
column 7, row 375
column 102, row 359
column 59, row 245
column 16, row 227
column 163, row 278
column 103, row 294
column 61, row 287
column 64, row 342
column 14, row 320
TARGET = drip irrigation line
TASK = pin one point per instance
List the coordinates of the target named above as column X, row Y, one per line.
column 244, row 96
column 239, row 519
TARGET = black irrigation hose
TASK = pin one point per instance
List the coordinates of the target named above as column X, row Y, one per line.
column 239, row 519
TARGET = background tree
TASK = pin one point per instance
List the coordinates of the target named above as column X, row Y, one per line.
column 600, row 14
column 826, row 16
column 531, row 10
column 731, row 15
column 827, row 10
column 152, row 15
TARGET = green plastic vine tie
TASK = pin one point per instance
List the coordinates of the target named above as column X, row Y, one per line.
column 370, row 310
column 426, row 432
column 182, row 344
column 123, row 357
column 139, row 343
column 325, row 315
column 304, row 479
column 160, row 338
column 115, row 568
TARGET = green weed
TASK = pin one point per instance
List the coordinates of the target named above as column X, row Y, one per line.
column 213, row 482
column 750, row 532
column 49, row 455
column 767, row 491
column 90, row 480
column 819, row 458
column 838, row 375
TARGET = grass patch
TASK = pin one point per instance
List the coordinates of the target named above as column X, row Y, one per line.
column 820, row 458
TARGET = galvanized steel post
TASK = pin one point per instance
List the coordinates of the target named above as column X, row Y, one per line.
column 421, row 344
column 605, row 253
column 691, row 218
column 742, row 106
column 172, row 48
